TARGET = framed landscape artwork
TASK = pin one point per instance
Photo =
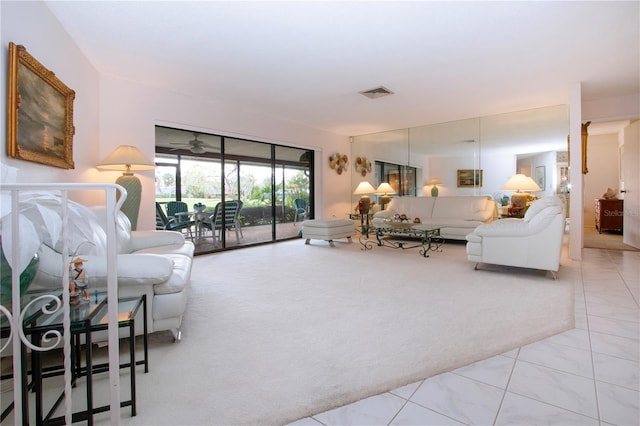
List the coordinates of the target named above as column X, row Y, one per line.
column 39, row 112
column 469, row 178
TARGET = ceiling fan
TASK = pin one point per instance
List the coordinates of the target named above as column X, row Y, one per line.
column 195, row 145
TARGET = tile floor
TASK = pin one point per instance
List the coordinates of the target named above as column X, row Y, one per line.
column 586, row 376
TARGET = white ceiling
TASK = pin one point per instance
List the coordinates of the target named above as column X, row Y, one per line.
column 306, row 61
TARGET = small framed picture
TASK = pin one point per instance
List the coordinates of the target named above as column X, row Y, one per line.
column 469, row 178
column 540, row 177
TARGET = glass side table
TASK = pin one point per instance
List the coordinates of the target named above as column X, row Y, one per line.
column 87, row 318
column 365, row 221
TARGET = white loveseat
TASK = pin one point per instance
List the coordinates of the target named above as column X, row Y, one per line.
column 455, row 216
column 534, row 241
column 155, row 263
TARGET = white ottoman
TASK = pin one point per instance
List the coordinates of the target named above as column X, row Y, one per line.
column 327, row 229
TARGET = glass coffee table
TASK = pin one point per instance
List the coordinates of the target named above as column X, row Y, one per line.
column 403, row 235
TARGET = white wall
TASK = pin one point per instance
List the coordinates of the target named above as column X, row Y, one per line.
column 603, row 165
column 129, row 112
column 612, row 109
column 546, row 160
column 498, row 168
column 32, row 25
column 109, row 112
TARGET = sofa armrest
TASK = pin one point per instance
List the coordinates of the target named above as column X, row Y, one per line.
column 146, row 239
column 504, row 228
column 143, row 268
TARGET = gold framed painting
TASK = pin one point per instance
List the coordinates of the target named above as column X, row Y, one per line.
column 39, row 112
column 469, row 178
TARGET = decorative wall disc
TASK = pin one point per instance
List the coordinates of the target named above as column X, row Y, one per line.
column 363, row 166
column 339, row 162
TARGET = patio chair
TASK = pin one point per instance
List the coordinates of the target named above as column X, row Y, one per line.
column 171, row 223
column 300, row 206
column 180, row 211
column 231, row 211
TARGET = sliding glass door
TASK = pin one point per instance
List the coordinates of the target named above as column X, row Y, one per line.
column 264, row 180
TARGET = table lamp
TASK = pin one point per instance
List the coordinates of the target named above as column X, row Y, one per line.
column 364, row 188
column 128, row 158
column 385, row 189
column 520, row 183
column 434, row 188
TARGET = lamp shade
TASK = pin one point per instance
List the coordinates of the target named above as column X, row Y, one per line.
column 364, row 187
column 385, row 188
column 434, row 188
column 520, row 182
column 127, row 158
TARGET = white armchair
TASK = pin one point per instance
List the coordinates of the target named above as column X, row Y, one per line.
column 534, row 241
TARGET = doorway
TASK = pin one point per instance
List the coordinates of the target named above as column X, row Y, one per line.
column 603, row 184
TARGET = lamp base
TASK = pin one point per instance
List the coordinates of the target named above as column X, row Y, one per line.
column 131, row 205
column 519, row 199
column 384, row 200
column 434, row 191
column 364, row 204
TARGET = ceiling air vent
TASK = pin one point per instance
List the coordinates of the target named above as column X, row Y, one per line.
column 376, row 93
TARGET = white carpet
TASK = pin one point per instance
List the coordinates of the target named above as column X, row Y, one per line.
column 279, row 332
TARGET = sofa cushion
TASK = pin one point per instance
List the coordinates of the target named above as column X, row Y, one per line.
column 464, row 207
column 421, row 207
column 445, row 222
column 326, row 223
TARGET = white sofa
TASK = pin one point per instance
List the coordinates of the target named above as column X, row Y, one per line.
column 155, row 263
column 534, row 241
column 455, row 216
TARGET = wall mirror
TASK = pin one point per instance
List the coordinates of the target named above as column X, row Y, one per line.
column 530, row 141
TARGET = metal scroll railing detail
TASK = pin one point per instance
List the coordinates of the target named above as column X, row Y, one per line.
column 7, row 313
column 51, row 339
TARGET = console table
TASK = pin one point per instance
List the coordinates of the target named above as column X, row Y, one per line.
column 609, row 215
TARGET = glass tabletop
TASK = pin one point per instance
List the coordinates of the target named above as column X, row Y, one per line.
column 94, row 310
column 409, row 226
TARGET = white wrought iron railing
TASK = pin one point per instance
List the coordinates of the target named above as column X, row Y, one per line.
column 16, row 314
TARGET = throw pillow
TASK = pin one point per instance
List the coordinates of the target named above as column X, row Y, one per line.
column 610, row 194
